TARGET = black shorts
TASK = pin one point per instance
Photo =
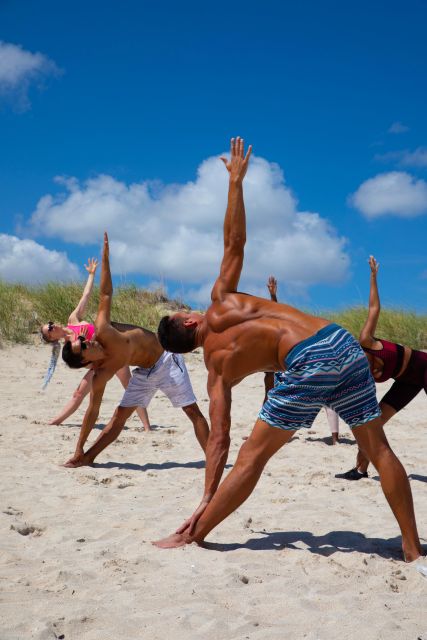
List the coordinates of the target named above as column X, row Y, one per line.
column 410, row 383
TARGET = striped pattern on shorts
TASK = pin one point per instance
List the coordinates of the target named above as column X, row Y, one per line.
column 328, row 369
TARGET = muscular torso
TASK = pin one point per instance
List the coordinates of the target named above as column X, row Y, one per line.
column 245, row 334
column 135, row 347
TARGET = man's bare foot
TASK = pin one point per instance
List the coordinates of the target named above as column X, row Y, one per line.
column 172, row 541
column 147, row 428
column 78, row 461
column 55, row 421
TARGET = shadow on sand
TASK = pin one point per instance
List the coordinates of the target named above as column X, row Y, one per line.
column 328, row 440
column 326, row 545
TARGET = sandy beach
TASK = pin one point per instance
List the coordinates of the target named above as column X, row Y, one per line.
column 307, row 556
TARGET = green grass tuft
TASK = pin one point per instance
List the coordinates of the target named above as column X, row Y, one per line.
column 24, row 309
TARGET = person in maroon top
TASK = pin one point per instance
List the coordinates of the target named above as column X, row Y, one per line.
column 388, row 360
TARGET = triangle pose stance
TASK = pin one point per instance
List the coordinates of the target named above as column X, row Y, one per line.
column 323, row 364
column 112, row 350
column 53, row 332
column 408, row 368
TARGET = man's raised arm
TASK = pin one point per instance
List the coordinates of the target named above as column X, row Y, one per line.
column 106, row 287
column 234, row 222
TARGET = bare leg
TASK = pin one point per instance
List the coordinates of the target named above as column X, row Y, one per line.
column 387, row 412
column 394, row 482
column 263, row 443
column 79, row 394
column 124, row 375
column 201, row 428
column 333, row 421
column 109, row 433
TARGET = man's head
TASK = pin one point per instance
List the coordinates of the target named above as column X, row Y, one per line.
column 178, row 333
column 81, row 352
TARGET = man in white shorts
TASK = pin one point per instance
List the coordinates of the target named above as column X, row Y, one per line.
column 134, row 347
column 168, row 375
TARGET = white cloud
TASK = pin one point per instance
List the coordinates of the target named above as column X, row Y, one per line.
column 417, row 158
column 397, row 193
column 19, row 68
column 398, row 127
column 26, row 261
column 175, row 231
column 405, row 157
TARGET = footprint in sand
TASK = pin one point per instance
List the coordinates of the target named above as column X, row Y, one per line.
column 27, row 530
column 11, row 511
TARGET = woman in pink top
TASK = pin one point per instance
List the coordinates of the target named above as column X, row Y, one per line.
column 52, row 333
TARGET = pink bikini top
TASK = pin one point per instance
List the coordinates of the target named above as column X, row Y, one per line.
column 392, row 356
column 77, row 330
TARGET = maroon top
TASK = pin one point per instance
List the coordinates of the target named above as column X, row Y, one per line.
column 392, row 356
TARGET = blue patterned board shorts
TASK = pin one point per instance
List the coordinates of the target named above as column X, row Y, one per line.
column 328, row 369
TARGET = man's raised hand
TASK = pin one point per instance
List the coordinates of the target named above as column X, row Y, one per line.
column 106, row 246
column 237, row 165
column 373, row 264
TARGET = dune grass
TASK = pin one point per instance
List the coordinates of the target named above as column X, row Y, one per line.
column 23, row 309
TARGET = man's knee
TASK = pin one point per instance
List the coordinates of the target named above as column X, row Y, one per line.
column 251, row 458
column 192, row 411
column 118, row 420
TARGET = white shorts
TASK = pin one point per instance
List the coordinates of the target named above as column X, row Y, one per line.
column 168, row 375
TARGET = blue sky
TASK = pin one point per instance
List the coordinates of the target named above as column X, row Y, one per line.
column 112, row 115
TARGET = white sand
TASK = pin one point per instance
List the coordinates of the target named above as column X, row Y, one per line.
column 307, row 556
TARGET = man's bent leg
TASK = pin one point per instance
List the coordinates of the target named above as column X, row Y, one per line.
column 124, row 375
column 261, row 445
column 201, row 428
column 109, row 433
column 394, row 482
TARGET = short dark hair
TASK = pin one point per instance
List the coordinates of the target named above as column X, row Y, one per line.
column 174, row 336
column 74, row 360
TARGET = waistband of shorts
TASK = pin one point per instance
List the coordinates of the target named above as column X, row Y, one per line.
column 153, row 366
column 319, row 335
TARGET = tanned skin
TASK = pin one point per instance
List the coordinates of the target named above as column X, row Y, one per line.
column 367, row 339
column 111, row 351
column 240, row 335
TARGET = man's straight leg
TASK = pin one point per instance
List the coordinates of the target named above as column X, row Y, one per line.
column 109, row 433
column 394, row 482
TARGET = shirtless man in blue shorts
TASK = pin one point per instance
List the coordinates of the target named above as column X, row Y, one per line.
column 324, row 366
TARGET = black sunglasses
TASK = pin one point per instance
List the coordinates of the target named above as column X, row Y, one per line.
column 82, row 342
column 50, row 325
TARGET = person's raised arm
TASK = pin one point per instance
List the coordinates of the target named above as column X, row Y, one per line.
column 99, row 382
column 78, row 313
column 368, row 331
column 106, row 287
column 272, row 288
column 234, row 221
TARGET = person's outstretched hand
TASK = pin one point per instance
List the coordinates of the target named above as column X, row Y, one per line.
column 91, row 265
column 373, row 264
column 237, row 165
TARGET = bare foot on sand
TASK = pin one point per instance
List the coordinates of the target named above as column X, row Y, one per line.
column 171, row 542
